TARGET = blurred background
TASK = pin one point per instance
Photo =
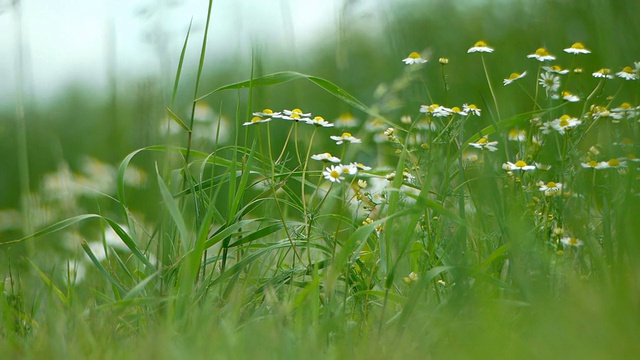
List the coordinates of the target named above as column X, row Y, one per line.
column 86, row 83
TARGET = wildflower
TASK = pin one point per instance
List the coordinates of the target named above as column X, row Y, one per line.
column 296, row 111
column 406, row 176
column 457, row 110
column 349, row 169
column 626, row 110
column 319, row 121
column 443, row 61
column 571, row 241
column 471, row 109
column 565, row 122
column 517, row 135
column 551, row 188
column 541, row 55
column 435, row 110
column 326, row 157
column 577, row 48
column 414, row 58
column 519, row 165
column 556, row 69
column 267, row 113
column 256, row 120
column 362, row 184
column 480, row 46
column 346, row 120
column 294, row 117
column 484, row 143
column 360, row 166
column 513, row 77
column 577, row 71
column 627, row 73
column 597, row 112
column 550, row 82
column 345, row 137
column 389, row 132
column 566, row 95
column 406, row 119
column 613, row 163
column 603, row 73
column 333, row 173
column 412, row 277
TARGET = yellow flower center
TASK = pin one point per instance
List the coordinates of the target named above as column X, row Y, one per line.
column 628, row 70
column 480, row 44
column 593, row 163
column 318, row 118
column 573, row 241
column 564, row 120
column 346, row 135
column 296, row 111
column 472, row 107
column 542, row 52
column 520, row 164
column 267, row 111
column 513, row 76
column 256, row 119
column 577, row 46
column 295, row 116
column 556, row 68
column 414, row 55
column 625, row 105
column 566, row 93
column 455, row 109
column 552, row 185
column 334, row 174
column 482, row 140
column 614, row 162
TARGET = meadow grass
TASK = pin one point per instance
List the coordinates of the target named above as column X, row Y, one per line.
column 497, row 227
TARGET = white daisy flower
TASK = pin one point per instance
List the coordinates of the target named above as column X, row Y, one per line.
column 551, row 188
column 566, row 95
column 556, row 69
column 480, row 46
column 603, row 73
column 471, row 108
column 267, row 113
column 519, row 165
column 484, row 143
column 627, row 73
column 256, row 120
column 565, row 122
column 571, row 241
column 333, row 173
column 345, row 137
column 541, row 55
column 577, row 48
column 326, row 157
column 513, row 77
column 414, row 58
column 319, row 121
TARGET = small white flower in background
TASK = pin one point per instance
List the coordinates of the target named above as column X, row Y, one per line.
column 513, row 77
column 319, row 121
column 613, row 163
column 627, row 73
column 411, row 277
column 406, row 119
column 565, row 122
column 471, row 109
column 267, row 113
column 571, row 241
column 484, row 143
column 543, row 167
column 326, row 157
column 551, row 188
column 603, row 73
column 556, row 69
column 362, row 184
column 626, row 110
column 346, row 120
column 517, row 135
column 566, row 95
column 414, row 58
column 333, row 173
column 577, row 48
column 602, row 112
column 435, row 110
column 360, row 166
column 550, row 82
column 480, row 46
column 542, row 55
column 203, row 112
column 256, row 120
column 349, row 169
column 519, row 165
column 345, row 137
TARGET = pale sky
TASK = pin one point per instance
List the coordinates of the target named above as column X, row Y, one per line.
column 67, row 41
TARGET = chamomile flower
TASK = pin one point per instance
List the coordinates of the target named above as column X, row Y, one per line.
column 556, row 69
column 345, row 137
column 346, row 120
column 256, row 120
column 457, row 110
column 333, row 173
column 603, row 73
column 568, row 96
column 267, row 113
column 519, row 165
column 626, row 110
column 296, row 111
column 325, row 157
column 613, row 163
column 517, row 135
column 294, row 117
column 513, row 77
column 471, row 109
column 571, row 241
column 564, row 123
column 414, row 58
column 551, row 188
column 349, row 169
column 597, row 112
column 360, row 166
column 541, row 55
column 435, row 110
column 484, row 143
column 577, row 48
column 627, row 73
column 319, row 121
column 550, row 82
column 480, row 46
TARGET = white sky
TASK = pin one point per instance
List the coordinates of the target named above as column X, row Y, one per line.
column 67, row 41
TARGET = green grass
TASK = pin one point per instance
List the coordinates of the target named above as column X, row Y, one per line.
column 239, row 244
